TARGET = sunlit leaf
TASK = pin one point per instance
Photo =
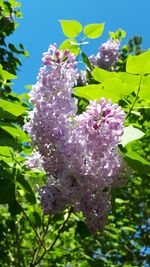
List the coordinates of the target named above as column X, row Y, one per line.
column 71, row 28
column 139, row 64
column 71, row 45
column 5, row 75
column 5, row 151
column 102, row 75
column 128, row 229
column 110, row 89
column 11, row 108
column 28, row 86
column 93, row 30
column 119, row 34
column 130, row 134
column 120, row 201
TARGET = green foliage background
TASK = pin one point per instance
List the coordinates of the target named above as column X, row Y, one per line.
column 27, row 237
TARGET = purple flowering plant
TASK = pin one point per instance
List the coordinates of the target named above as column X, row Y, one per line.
column 77, row 150
column 76, row 193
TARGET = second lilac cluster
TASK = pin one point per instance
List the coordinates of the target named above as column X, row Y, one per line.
column 107, row 55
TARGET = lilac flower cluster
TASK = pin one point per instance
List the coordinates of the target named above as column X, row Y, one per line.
column 107, row 55
column 78, row 152
column 54, row 107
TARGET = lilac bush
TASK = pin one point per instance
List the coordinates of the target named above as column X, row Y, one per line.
column 107, row 55
column 79, row 153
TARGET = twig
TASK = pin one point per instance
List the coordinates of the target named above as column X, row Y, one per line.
column 37, row 235
column 60, row 230
column 17, row 245
column 36, row 251
column 136, row 97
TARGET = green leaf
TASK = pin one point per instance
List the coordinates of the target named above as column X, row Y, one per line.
column 7, row 186
column 119, row 34
column 128, row 229
column 111, row 235
column 146, row 80
column 26, row 53
column 18, row 13
column 86, row 61
column 6, row 115
column 130, row 134
column 82, row 229
column 71, row 45
column 110, row 89
column 7, row 191
column 71, row 28
column 29, row 194
column 139, row 64
column 8, row 108
column 7, row 140
column 15, row 131
column 121, row 201
column 14, row 3
column 15, row 208
column 145, row 92
column 5, row 151
column 5, row 75
column 115, row 89
column 128, row 78
column 85, row 264
column 93, row 30
column 136, row 162
column 145, row 88
column 122, row 81
column 102, row 75
column 28, row 86
column 90, row 92
column 24, row 97
column 35, row 218
column 130, row 82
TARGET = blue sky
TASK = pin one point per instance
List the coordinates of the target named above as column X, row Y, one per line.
column 39, row 27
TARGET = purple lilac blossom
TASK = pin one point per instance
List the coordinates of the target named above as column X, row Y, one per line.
column 35, row 160
column 82, row 79
column 107, row 55
column 54, row 106
column 78, row 152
